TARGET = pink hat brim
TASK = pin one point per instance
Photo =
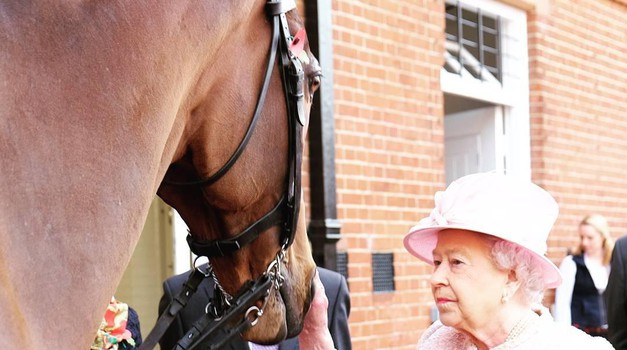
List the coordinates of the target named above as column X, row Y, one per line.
column 420, row 242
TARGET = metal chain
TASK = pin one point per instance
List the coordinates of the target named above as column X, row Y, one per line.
column 274, row 272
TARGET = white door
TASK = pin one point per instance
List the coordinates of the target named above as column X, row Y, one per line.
column 473, row 142
column 462, row 156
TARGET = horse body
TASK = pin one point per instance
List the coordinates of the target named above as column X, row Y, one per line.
column 98, row 100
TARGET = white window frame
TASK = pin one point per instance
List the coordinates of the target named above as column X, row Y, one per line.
column 512, row 93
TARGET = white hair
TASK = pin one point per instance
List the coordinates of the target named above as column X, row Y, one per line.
column 510, row 256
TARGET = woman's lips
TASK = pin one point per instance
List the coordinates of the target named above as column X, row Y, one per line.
column 442, row 301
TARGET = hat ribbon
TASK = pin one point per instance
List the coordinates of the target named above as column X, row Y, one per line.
column 437, row 218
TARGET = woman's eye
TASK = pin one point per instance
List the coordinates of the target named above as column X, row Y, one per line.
column 437, row 262
column 456, row 262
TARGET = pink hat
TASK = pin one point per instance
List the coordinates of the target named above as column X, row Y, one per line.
column 498, row 205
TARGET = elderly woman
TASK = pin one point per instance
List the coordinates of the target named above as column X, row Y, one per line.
column 486, row 238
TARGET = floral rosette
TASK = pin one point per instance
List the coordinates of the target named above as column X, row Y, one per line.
column 112, row 334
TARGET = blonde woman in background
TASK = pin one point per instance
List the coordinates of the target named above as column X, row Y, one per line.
column 579, row 300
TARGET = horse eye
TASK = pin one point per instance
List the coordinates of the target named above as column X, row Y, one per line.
column 314, row 82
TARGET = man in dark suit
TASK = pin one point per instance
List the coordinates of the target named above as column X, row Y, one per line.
column 616, row 296
column 335, row 288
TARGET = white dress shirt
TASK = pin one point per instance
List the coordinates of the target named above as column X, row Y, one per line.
column 254, row 346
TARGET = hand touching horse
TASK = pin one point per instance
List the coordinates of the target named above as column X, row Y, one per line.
column 100, row 100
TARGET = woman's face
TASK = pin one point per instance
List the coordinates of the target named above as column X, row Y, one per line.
column 591, row 239
column 467, row 287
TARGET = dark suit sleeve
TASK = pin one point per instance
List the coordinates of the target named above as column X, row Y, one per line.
column 175, row 331
column 336, row 289
column 616, row 295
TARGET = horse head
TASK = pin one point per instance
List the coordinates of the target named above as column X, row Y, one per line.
column 235, row 173
column 103, row 100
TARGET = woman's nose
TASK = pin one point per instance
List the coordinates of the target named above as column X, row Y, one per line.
column 438, row 277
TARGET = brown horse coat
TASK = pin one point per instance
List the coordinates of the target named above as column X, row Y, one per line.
column 97, row 99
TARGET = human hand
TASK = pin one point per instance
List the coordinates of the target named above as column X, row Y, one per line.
column 315, row 334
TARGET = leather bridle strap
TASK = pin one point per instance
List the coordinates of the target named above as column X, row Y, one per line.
column 251, row 127
column 293, row 77
column 228, row 246
column 288, row 208
column 211, row 333
column 277, row 7
column 176, row 305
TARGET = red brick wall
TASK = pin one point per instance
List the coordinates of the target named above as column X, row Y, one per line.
column 578, row 109
column 389, row 137
column 389, row 154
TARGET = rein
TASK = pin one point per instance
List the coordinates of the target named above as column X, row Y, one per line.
column 210, row 331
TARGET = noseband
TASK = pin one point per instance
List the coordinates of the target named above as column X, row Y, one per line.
column 223, row 306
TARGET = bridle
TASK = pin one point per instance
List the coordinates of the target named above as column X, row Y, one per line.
column 286, row 210
column 284, row 214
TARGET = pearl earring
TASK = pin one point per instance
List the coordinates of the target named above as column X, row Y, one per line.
column 504, row 298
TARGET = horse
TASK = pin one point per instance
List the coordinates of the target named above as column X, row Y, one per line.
column 102, row 101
